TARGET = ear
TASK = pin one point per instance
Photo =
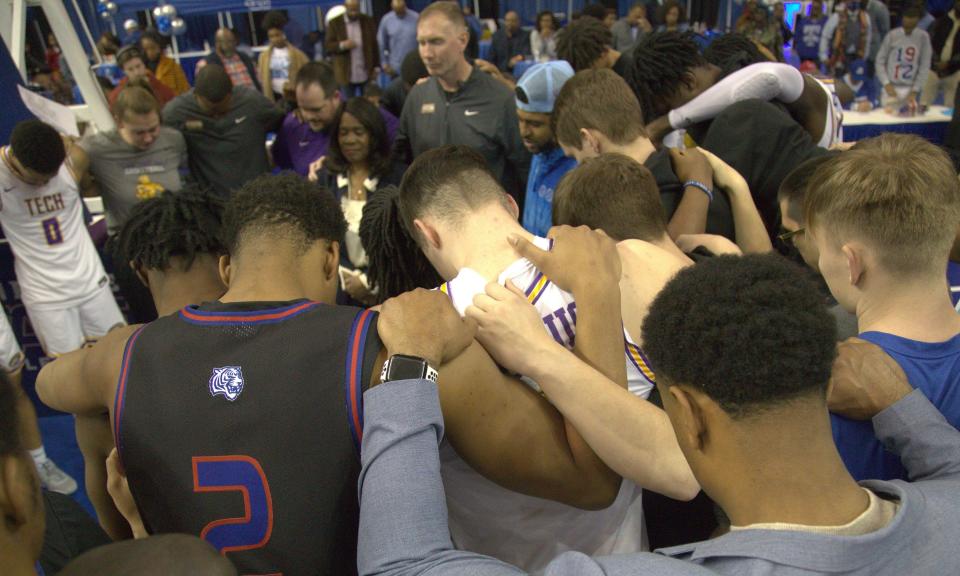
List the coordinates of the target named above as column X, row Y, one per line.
column 689, row 424
column 331, row 265
column 225, row 270
column 141, row 275
column 855, row 262
column 17, row 498
column 514, row 208
column 589, row 141
column 429, row 233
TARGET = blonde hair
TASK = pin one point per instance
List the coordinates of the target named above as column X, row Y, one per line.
column 896, row 192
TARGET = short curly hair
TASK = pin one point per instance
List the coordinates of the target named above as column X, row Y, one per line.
column 582, row 42
column 732, row 52
column 282, row 205
column 750, row 332
column 38, row 146
column 661, row 63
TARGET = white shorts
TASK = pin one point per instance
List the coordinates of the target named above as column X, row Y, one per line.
column 11, row 356
column 67, row 329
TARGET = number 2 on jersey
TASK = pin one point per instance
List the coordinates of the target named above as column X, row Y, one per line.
column 51, row 231
column 241, row 474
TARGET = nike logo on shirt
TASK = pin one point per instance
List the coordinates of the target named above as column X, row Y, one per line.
column 470, row 112
column 239, row 120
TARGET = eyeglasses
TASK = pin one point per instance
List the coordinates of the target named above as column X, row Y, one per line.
column 789, row 236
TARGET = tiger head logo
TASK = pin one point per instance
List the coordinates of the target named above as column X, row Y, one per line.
column 227, row 381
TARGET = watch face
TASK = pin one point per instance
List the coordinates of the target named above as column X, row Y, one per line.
column 406, row 368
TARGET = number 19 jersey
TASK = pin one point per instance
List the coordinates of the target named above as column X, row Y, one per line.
column 56, row 262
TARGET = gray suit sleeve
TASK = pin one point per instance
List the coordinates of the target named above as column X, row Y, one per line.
column 928, row 446
column 403, row 512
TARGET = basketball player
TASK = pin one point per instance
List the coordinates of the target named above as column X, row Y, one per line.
column 62, row 282
column 461, row 218
column 259, row 391
column 171, row 244
column 678, row 88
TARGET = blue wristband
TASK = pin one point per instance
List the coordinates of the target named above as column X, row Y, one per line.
column 701, row 186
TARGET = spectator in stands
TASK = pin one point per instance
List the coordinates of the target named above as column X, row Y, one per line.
column 808, row 31
column 304, row 136
column 397, row 36
column 357, row 168
column 152, row 45
column 586, row 44
column 226, row 128
column 846, row 37
column 510, row 44
column 778, row 16
column 630, row 29
column 395, row 94
column 674, row 17
column 543, row 39
column 791, row 196
column 131, row 61
column 352, row 43
column 903, row 62
column 237, row 64
column 108, row 45
column 280, row 62
column 764, row 31
column 595, row 10
column 945, row 41
column 536, row 93
column 884, row 219
column 879, row 27
column 460, row 104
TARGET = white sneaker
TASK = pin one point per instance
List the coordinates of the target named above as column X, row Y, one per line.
column 56, row 480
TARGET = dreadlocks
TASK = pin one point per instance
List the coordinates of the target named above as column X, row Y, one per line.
column 661, row 63
column 396, row 264
column 732, row 52
column 183, row 224
column 582, row 42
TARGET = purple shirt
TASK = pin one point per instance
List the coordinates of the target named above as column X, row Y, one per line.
column 297, row 145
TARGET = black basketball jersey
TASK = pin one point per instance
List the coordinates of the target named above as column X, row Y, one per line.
column 241, row 423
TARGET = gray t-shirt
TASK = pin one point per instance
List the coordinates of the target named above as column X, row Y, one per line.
column 126, row 175
column 227, row 151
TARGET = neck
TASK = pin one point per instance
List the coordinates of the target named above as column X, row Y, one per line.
column 173, row 290
column 771, row 477
column 265, row 271
column 666, row 243
column 451, row 81
column 640, row 149
column 611, row 57
column 483, row 243
column 918, row 309
column 360, row 168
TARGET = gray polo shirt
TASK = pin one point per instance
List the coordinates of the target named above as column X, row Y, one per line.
column 126, row 175
column 482, row 114
column 225, row 152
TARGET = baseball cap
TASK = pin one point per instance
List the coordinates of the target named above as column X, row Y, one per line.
column 537, row 90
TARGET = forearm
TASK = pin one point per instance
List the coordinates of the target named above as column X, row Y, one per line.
column 599, row 340
column 928, row 446
column 403, row 514
column 752, row 236
column 764, row 81
column 691, row 214
column 631, row 435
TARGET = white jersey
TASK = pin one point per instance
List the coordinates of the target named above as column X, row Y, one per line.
column 524, row 530
column 833, row 128
column 56, row 262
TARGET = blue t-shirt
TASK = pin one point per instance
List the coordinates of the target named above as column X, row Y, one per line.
column 546, row 170
column 807, row 37
column 933, row 368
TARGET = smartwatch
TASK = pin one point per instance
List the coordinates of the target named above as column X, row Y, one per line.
column 403, row 367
